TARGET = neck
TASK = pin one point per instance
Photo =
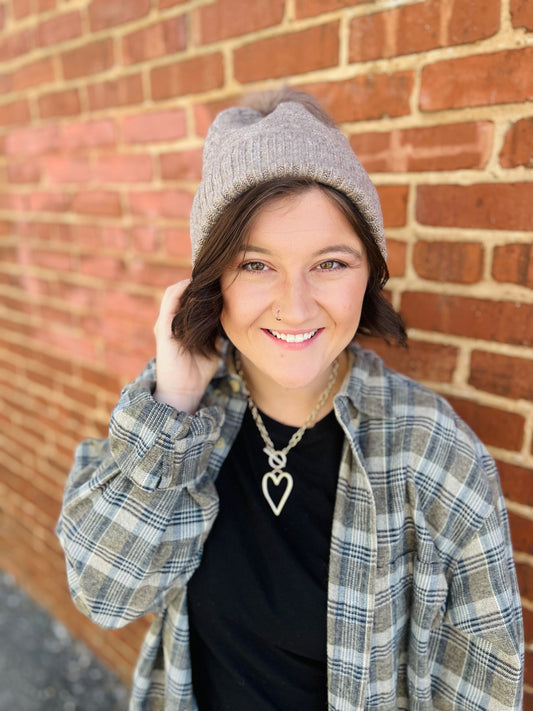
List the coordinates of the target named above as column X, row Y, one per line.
column 292, row 406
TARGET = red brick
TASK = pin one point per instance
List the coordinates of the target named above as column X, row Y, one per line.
column 123, row 91
column 517, row 485
column 34, row 74
column 124, row 168
column 503, row 375
column 189, row 76
column 177, row 243
column 396, row 258
column 58, row 261
column 15, row 112
column 66, row 169
column 518, row 147
column 513, row 263
column 485, row 79
column 164, row 4
column 6, row 83
column 59, row 29
column 113, row 238
column 420, row 360
column 88, row 134
column 90, row 58
column 371, row 96
column 103, row 14
column 422, row 27
column 154, row 126
column 17, row 44
column 182, row 165
column 528, row 625
column 48, row 201
column 162, row 203
column 393, row 200
column 500, row 321
column 23, row 171
column 448, row 147
column 60, row 103
column 97, row 202
column 521, row 533
column 472, row 20
column 102, row 267
column 491, row 206
column 458, row 262
column 45, row 5
column 156, row 274
column 155, row 41
column 528, row 679
column 524, row 574
column 494, row 427
column 282, row 55
column 145, row 239
column 522, row 14
column 21, row 8
column 404, row 30
column 234, row 18
column 309, row 8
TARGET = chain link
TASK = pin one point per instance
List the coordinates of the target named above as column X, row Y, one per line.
column 297, row 436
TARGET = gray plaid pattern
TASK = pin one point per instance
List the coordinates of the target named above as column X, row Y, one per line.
column 423, row 606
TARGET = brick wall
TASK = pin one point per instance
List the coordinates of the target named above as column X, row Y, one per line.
column 103, row 108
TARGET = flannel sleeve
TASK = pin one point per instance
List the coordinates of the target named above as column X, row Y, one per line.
column 138, row 506
column 480, row 647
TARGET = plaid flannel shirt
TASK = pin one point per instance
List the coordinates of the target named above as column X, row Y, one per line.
column 423, row 606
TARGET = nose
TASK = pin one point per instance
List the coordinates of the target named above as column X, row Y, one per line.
column 296, row 301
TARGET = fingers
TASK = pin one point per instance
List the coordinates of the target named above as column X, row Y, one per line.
column 170, row 303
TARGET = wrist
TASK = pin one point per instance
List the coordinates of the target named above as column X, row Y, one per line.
column 182, row 401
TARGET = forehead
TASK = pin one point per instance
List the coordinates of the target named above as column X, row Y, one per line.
column 310, row 215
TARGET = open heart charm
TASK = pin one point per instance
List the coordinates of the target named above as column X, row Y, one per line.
column 276, row 480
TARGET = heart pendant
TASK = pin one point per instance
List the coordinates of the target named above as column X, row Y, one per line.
column 276, row 479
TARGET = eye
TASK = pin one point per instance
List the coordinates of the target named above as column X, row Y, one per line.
column 330, row 265
column 254, row 267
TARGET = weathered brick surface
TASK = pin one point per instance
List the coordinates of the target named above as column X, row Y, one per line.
column 484, row 79
column 513, row 263
column 518, row 147
column 103, row 109
column 233, row 18
column 457, row 262
column 490, row 206
column 294, row 53
column 449, row 147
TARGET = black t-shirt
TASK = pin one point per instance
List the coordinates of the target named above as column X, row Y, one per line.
column 257, row 603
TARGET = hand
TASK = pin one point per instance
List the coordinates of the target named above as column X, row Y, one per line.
column 182, row 377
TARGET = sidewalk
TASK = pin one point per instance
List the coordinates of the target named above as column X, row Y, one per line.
column 42, row 668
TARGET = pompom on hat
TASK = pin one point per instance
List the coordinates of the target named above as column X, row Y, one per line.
column 287, row 135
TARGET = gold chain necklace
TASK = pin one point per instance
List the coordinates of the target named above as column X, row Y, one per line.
column 277, row 459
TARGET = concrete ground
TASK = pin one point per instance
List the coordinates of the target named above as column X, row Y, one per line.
column 42, row 668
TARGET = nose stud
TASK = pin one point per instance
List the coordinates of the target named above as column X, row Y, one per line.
column 277, row 315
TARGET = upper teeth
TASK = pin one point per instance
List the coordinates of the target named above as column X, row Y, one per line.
column 294, row 337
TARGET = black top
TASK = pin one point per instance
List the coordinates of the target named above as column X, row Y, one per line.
column 257, row 603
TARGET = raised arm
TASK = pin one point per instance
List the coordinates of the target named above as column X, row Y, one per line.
column 139, row 504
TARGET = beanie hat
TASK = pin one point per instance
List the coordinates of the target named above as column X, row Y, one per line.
column 244, row 148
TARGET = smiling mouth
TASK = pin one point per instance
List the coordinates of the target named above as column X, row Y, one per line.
column 294, row 337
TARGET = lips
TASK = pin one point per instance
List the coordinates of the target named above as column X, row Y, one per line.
column 294, row 337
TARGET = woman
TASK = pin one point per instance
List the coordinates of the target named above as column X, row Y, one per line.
column 313, row 530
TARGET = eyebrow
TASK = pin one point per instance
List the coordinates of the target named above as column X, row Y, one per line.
column 343, row 248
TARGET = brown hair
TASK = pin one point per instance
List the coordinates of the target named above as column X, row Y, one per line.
column 197, row 323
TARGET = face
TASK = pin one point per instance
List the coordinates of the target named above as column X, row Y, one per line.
column 304, row 260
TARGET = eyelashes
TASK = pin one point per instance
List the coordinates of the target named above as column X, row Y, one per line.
column 328, row 265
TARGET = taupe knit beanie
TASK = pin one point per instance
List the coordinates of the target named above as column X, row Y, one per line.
column 247, row 146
